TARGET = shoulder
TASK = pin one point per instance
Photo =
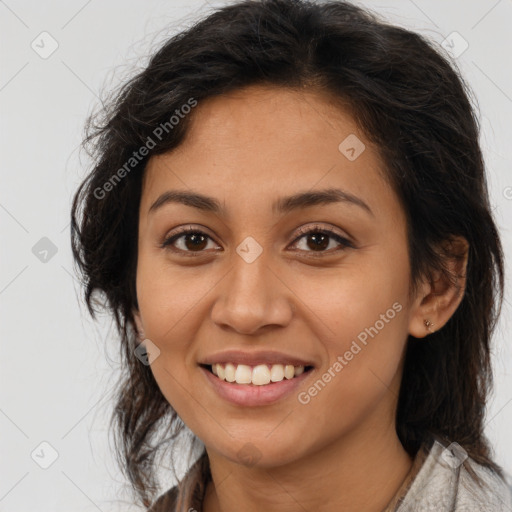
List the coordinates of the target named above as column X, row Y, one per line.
column 493, row 493
column 449, row 480
column 165, row 502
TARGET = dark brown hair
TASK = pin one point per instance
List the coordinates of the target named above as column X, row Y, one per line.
column 407, row 98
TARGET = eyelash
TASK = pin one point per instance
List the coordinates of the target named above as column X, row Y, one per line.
column 167, row 243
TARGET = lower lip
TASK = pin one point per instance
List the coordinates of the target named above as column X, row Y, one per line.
column 252, row 395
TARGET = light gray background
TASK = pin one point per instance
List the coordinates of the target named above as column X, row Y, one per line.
column 57, row 366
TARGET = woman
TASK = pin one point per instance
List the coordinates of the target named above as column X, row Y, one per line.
column 289, row 219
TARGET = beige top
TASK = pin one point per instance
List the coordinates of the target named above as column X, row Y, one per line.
column 439, row 481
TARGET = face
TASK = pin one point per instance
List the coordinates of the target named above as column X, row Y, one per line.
column 323, row 281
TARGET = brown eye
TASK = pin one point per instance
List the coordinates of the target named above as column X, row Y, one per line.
column 191, row 240
column 319, row 239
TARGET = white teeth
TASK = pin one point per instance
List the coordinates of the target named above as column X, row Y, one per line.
column 289, row 371
column 298, row 370
column 230, row 372
column 277, row 373
column 243, row 374
column 259, row 375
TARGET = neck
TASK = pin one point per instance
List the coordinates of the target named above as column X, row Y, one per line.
column 336, row 476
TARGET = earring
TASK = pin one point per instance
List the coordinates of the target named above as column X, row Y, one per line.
column 428, row 324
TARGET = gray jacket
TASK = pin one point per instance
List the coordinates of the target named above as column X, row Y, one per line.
column 441, row 481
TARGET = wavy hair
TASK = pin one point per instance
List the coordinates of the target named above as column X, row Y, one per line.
column 407, row 97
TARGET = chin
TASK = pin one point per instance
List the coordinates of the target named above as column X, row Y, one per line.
column 260, row 452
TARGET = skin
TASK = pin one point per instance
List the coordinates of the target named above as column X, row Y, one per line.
column 248, row 149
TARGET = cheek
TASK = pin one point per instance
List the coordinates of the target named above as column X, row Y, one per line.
column 169, row 304
column 360, row 378
column 342, row 302
column 170, row 299
column 360, row 314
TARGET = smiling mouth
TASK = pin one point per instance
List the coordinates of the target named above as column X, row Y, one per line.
column 258, row 375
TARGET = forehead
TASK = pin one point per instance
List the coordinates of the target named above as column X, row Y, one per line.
column 259, row 143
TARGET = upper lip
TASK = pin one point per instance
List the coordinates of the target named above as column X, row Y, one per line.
column 254, row 358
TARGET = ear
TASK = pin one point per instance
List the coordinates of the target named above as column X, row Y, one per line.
column 437, row 300
column 138, row 323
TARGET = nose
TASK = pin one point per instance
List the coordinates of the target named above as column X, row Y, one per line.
column 252, row 297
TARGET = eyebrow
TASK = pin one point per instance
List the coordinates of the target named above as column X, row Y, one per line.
column 282, row 205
